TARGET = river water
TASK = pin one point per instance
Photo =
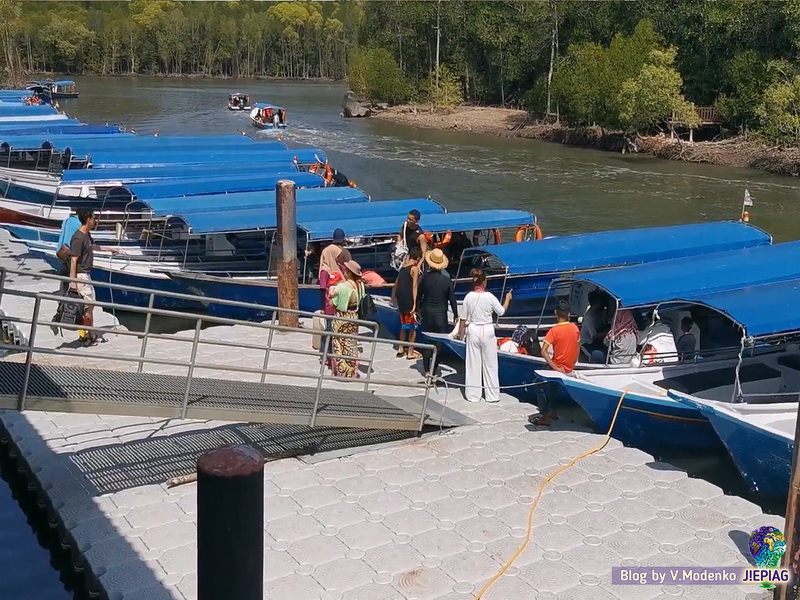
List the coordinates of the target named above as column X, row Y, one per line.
column 570, row 190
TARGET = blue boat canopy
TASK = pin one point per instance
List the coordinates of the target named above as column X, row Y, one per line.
column 36, row 141
column 265, row 105
column 683, row 278
column 62, row 127
column 163, row 207
column 591, row 251
column 128, row 175
column 63, row 82
column 761, row 310
column 195, row 144
column 253, row 154
column 434, row 223
column 370, row 218
column 199, row 187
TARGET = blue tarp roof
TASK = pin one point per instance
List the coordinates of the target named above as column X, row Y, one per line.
column 436, row 223
column 106, row 159
column 672, row 280
column 63, row 82
column 50, row 128
column 26, row 111
column 265, row 105
column 355, row 219
column 586, row 251
column 200, row 187
column 761, row 310
column 183, row 144
column 125, row 175
column 36, row 141
column 163, row 207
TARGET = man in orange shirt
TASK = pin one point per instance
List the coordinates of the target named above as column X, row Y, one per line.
column 565, row 340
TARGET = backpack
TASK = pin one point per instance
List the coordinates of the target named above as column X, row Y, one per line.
column 530, row 341
column 366, row 306
column 70, row 313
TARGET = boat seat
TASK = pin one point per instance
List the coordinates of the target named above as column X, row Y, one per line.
column 692, row 383
column 790, row 361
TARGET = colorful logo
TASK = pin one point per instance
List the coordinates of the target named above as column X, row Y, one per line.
column 767, row 545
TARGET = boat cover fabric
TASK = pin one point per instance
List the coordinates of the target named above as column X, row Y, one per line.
column 681, row 278
column 183, row 144
column 586, row 251
column 761, row 310
column 163, row 207
column 35, row 141
column 369, row 218
column 126, row 175
column 23, row 110
column 198, row 187
column 435, row 223
column 62, row 82
column 253, row 154
column 63, row 127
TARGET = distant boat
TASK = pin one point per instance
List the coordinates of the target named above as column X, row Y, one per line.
column 268, row 116
column 239, row 101
column 57, row 90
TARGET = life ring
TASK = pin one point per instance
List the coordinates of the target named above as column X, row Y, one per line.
column 443, row 241
column 313, row 168
column 476, row 237
column 528, row 232
column 328, row 175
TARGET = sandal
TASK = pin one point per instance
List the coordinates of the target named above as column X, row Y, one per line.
column 400, row 354
column 539, row 420
column 414, row 356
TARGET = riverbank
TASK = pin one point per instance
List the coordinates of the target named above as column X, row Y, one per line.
column 735, row 152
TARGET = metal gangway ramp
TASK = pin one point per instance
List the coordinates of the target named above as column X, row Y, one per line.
column 43, row 373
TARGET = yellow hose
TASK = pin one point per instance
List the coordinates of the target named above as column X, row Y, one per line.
column 542, row 485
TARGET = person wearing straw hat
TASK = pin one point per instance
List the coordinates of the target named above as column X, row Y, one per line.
column 434, row 294
column 346, row 297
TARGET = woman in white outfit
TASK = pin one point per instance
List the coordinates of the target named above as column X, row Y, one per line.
column 479, row 309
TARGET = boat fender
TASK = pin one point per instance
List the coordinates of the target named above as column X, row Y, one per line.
column 528, row 232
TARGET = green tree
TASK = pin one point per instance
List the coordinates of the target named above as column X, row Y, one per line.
column 654, row 95
column 447, row 94
column 747, row 77
column 779, row 112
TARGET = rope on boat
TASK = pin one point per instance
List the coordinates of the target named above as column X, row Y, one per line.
column 535, row 504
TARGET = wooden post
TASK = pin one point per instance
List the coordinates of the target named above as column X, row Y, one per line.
column 791, row 529
column 230, row 524
column 286, row 205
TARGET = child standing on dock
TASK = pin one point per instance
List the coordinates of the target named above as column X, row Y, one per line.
column 404, row 296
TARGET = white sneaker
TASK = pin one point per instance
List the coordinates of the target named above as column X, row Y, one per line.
column 473, row 400
column 492, row 401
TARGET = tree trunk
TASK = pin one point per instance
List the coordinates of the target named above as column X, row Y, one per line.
column 553, row 52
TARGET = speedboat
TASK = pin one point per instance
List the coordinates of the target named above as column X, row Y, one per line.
column 267, row 116
column 239, row 101
column 658, row 409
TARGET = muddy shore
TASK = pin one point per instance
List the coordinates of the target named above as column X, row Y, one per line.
column 734, row 152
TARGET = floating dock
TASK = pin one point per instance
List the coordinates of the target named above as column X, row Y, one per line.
column 406, row 518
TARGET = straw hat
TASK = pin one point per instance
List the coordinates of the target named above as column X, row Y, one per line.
column 436, row 259
column 353, row 267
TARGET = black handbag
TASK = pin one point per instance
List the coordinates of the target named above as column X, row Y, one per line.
column 366, row 307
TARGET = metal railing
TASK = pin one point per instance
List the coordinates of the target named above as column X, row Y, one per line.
column 270, row 327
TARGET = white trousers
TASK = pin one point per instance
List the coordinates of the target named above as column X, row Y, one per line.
column 482, row 364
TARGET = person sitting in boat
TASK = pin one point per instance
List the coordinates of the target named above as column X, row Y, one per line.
column 658, row 345
column 687, row 343
column 621, row 340
column 267, row 115
column 593, row 327
column 372, row 279
column 522, row 341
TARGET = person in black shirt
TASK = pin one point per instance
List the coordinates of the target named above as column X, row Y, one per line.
column 411, row 233
column 434, row 295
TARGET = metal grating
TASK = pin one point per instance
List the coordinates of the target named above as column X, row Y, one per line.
column 72, row 389
column 155, row 460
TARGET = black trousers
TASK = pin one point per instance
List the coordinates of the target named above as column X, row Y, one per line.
column 433, row 323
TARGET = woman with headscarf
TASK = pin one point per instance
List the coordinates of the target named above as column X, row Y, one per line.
column 346, row 297
column 621, row 340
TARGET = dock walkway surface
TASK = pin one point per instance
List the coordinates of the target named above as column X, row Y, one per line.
column 428, row 518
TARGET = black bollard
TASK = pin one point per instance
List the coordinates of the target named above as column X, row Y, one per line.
column 230, row 524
